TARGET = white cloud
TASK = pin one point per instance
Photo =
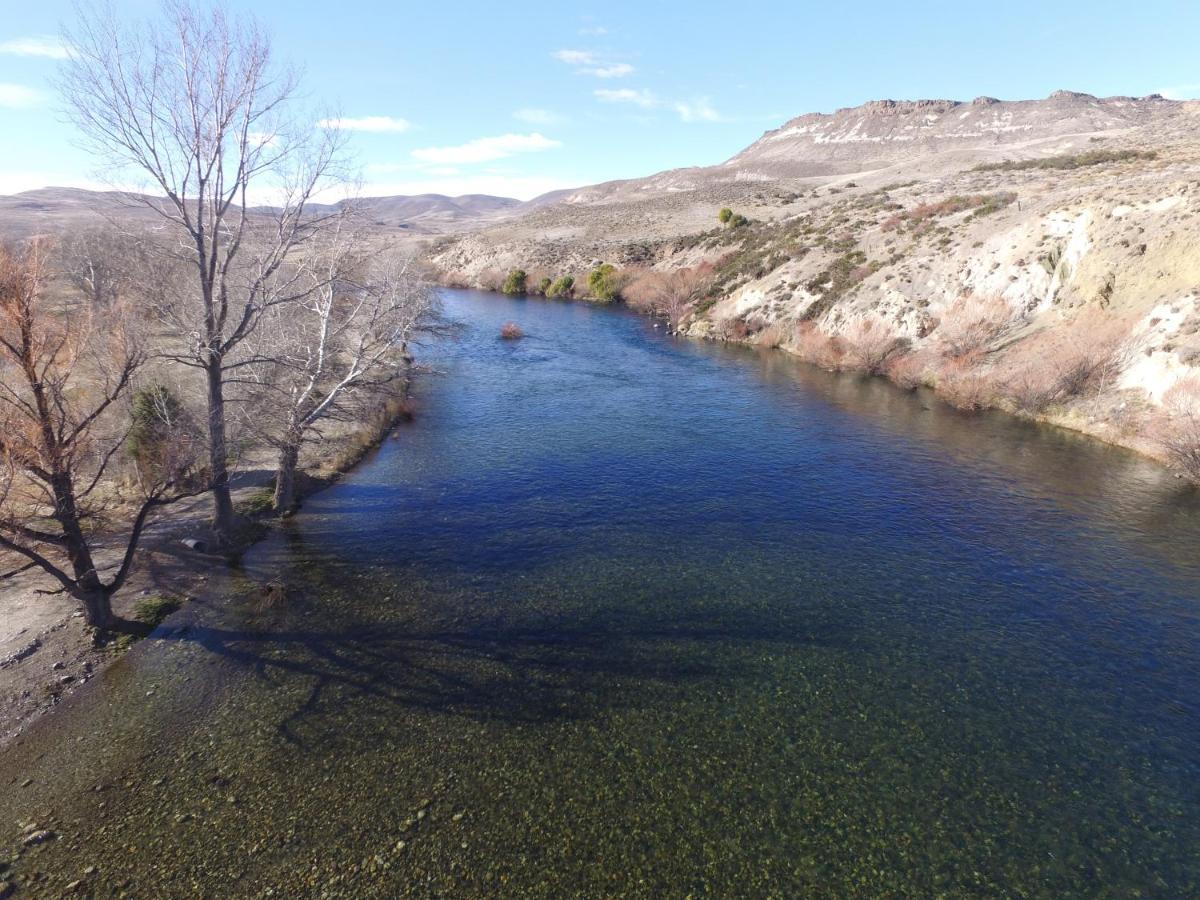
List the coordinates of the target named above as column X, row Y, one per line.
column 698, row 110
column 576, row 57
column 17, row 96
column 589, row 63
column 593, row 31
column 1181, row 92
column 642, row 97
column 379, row 124
column 616, row 70
column 535, row 116
column 38, row 45
column 486, row 149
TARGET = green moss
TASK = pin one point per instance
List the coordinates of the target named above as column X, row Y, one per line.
column 154, row 609
column 260, row 503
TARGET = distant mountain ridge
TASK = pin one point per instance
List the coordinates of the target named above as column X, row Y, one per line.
column 924, row 136
column 55, row 209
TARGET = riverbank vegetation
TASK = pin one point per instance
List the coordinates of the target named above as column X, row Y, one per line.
column 141, row 366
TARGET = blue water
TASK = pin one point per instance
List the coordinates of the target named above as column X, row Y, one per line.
column 660, row 618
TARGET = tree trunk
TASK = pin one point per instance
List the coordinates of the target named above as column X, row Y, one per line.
column 97, row 609
column 285, row 479
column 218, row 461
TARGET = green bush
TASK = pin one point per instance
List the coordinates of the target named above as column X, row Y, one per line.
column 157, row 420
column 602, row 283
column 514, row 283
column 725, row 215
column 544, row 286
column 562, row 287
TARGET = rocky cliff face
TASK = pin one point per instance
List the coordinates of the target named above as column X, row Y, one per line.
column 945, row 133
column 1057, row 221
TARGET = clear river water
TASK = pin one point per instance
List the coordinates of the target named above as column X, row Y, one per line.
column 620, row 614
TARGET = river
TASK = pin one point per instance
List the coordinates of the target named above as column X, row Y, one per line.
column 620, row 614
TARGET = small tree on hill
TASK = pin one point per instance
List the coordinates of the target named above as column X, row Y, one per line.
column 725, row 215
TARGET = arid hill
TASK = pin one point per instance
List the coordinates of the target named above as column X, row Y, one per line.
column 54, row 210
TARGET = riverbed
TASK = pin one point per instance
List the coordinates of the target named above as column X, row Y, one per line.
column 621, row 614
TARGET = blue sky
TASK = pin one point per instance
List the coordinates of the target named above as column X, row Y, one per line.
column 525, row 97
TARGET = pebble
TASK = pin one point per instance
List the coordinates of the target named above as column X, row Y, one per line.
column 32, row 838
column 59, row 665
column 457, row 817
column 400, row 845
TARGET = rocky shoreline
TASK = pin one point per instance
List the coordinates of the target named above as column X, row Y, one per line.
column 47, row 652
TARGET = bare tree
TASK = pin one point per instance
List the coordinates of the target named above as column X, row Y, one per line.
column 63, row 378
column 99, row 262
column 344, row 344
column 197, row 108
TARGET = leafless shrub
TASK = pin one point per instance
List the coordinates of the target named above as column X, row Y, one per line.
column 1092, row 355
column 870, row 344
column 668, row 294
column 734, row 329
column 1098, row 351
column 1032, row 388
column 1178, row 429
column 962, row 387
column 812, row 344
column 491, row 280
column 971, row 323
column 773, row 336
column 909, row 371
column 511, row 331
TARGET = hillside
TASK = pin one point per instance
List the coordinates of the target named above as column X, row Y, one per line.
column 54, row 210
column 1041, row 226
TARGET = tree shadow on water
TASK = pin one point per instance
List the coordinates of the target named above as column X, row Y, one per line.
column 339, row 684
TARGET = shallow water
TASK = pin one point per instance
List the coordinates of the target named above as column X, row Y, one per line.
column 620, row 614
